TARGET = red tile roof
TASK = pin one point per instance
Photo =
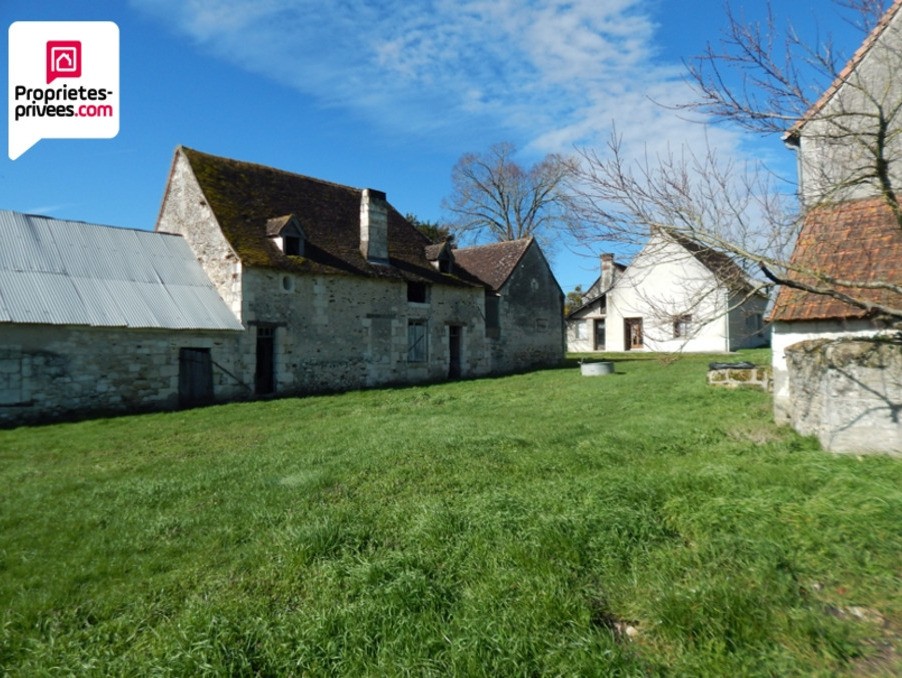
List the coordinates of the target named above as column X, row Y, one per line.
column 858, row 241
column 492, row 264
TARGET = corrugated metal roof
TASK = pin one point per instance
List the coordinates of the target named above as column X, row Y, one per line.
column 71, row 273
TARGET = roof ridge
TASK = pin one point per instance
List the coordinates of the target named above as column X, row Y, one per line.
column 851, row 65
column 725, row 268
column 269, row 168
column 93, row 224
column 500, row 243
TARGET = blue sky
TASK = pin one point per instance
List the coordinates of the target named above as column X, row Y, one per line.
column 377, row 93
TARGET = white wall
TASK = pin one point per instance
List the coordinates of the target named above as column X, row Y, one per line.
column 581, row 328
column 665, row 281
column 786, row 334
column 835, row 164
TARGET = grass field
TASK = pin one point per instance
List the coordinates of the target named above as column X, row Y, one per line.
column 543, row 524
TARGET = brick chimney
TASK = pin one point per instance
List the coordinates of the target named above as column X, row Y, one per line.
column 607, row 272
column 374, row 226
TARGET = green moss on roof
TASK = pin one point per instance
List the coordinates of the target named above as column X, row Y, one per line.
column 244, row 196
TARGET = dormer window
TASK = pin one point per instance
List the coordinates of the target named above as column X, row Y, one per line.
column 441, row 257
column 445, row 263
column 287, row 235
column 292, row 245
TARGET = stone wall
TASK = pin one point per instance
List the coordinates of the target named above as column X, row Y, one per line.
column 531, row 313
column 741, row 377
column 784, row 335
column 342, row 332
column 847, row 393
column 185, row 212
column 53, row 372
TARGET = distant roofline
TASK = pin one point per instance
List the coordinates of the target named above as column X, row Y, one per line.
column 791, row 135
column 529, row 240
column 86, row 223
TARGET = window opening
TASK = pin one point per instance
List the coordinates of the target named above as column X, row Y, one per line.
column 416, row 341
column 293, row 245
column 682, row 326
column 417, row 292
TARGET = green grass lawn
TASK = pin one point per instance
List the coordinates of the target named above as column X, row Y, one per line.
column 544, row 524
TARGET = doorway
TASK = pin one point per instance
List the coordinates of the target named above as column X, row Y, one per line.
column 632, row 329
column 265, row 378
column 599, row 335
column 195, row 377
column 454, row 344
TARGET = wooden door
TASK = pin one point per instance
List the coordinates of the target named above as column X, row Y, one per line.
column 265, row 379
column 195, row 377
column 599, row 335
column 632, row 328
column 454, row 339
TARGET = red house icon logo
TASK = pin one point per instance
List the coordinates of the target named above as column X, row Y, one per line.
column 63, row 59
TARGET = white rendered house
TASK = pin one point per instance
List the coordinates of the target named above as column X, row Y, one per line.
column 679, row 296
column 675, row 296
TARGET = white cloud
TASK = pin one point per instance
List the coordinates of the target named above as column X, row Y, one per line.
column 547, row 73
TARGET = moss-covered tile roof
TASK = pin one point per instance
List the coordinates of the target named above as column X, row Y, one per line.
column 245, row 197
column 858, row 241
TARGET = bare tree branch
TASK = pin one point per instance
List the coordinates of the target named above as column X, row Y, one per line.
column 494, row 197
column 767, row 80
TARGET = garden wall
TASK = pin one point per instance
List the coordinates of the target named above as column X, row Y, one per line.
column 848, row 393
column 741, row 377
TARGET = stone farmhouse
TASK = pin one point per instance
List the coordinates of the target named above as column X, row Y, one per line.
column 849, row 233
column 256, row 282
column 675, row 296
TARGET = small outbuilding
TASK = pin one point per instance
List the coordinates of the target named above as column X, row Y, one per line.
column 95, row 318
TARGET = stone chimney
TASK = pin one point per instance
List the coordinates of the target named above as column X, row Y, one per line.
column 374, row 226
column 607, row 272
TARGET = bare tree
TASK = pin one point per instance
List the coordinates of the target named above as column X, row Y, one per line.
column 844, row 120
column 494, row 197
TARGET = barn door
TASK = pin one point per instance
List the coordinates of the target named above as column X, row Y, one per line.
column 195, row 377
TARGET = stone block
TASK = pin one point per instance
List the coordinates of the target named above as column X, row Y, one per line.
column 848, row 393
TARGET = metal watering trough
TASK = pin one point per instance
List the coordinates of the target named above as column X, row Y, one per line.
column 596, row 369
